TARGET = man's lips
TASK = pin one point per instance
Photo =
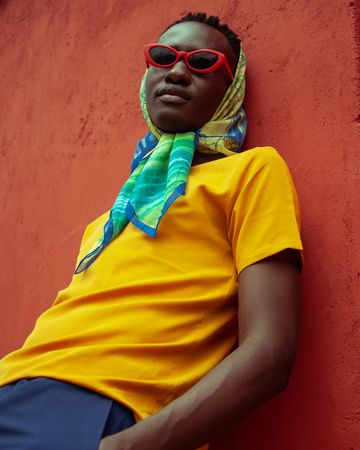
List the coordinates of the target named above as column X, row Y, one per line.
column 173, row 95
column 170, row 98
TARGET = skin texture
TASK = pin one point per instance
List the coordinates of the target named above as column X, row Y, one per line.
column 268, row 292
column 201, row 93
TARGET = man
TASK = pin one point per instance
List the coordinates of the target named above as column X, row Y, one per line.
column 185, row 318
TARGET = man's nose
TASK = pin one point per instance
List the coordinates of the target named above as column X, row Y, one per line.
column 179, row 74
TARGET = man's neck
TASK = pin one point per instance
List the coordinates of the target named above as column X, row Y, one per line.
column 201, row 158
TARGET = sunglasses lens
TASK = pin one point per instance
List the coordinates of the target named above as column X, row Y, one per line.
column 162, row 56
column 202, row 60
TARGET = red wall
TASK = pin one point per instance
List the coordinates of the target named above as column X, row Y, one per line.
column 69, row 120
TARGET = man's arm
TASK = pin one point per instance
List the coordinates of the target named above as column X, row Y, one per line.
column 254, row 372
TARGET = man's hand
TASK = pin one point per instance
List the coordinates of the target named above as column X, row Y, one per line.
column 109, row 443
column 105, row 444
column 127, row 440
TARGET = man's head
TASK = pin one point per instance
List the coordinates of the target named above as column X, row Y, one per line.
column 178, row 98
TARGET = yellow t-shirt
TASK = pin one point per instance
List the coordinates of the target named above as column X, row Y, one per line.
column 151, row 316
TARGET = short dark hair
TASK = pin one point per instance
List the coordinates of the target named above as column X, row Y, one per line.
column 212, row 21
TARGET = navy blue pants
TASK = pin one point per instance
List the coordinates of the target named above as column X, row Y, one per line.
column 46, row 414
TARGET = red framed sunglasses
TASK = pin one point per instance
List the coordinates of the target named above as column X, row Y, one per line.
column 201, row 61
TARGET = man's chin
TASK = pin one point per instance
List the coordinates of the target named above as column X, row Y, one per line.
column 174, row 126
column 176, row 130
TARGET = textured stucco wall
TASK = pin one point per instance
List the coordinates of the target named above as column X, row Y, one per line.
column 69, row 119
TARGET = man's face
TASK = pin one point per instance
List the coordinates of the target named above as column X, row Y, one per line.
column 178, row 99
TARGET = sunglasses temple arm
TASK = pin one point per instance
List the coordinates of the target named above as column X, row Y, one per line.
column 228, row 68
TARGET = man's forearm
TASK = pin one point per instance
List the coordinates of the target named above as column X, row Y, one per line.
column 243, row 380
column 256, row 370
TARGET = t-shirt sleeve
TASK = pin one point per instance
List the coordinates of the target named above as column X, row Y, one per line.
column 263, row 208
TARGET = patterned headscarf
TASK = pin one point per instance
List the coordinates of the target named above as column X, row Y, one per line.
column 162, row 162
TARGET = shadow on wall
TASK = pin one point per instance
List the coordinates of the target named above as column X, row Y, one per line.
column 3, row 4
